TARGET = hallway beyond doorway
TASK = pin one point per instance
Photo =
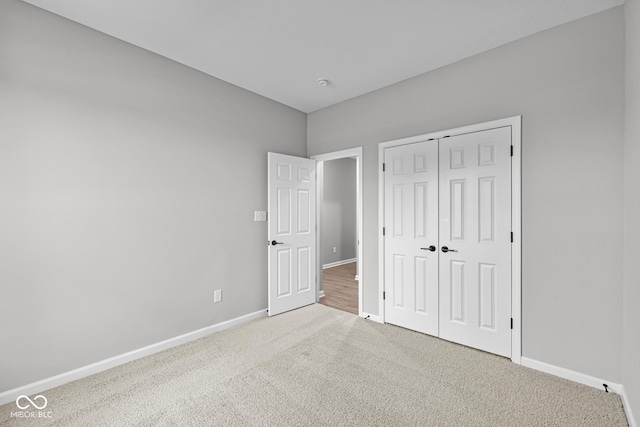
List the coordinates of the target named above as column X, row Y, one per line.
column 340, row 288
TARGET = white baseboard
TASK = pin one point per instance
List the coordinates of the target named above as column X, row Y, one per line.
column 571, row 375
column 321, row 294
column 373, row 317
column 94, row 368
column 337, row 263
column 627, row 408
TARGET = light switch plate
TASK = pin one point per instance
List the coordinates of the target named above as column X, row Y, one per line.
column 260, row 216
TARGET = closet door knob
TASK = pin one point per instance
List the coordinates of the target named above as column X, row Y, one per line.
column 446, row 249
column 430, row 248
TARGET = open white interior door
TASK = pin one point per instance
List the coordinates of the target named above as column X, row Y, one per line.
column 292, row 232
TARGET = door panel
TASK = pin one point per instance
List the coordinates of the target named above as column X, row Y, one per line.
column 291, row 223
column 411, row 223
column 457, row 216
column 457, row 293
column 475, row 221
column 304, row 269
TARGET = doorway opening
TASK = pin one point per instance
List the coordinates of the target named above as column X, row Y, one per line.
column 339, row 222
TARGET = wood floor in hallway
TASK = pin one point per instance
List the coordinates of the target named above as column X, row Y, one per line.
column 340, row 288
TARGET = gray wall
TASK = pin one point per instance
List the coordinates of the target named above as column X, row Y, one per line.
column 338, row 210
column 127, row 189
column 631, row 290
column 568, row 84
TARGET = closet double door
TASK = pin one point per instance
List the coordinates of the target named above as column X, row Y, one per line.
column 447, row 238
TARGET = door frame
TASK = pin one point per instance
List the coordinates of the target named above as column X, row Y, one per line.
column 516, row 216
column 320, row 158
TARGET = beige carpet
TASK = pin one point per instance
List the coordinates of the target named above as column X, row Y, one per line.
column 317, row 366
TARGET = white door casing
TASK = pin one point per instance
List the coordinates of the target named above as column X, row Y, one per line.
column 292, row 230
column 411, row 236
column 475, row 222
column 354, row 153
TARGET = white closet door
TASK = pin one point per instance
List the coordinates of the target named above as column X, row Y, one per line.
column 475, row 227
column 411, row 227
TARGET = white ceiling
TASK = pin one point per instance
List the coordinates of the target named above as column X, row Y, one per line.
column 279, row 48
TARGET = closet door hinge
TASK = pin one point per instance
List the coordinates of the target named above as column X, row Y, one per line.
column 512, row 237
column 383, row 167
column 512, row 151
column 383, row 230
column 512, row 323
column 384, row 295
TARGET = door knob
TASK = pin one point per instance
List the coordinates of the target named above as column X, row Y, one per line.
column 273, row 243
column 430, row 248
column 446, row 249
